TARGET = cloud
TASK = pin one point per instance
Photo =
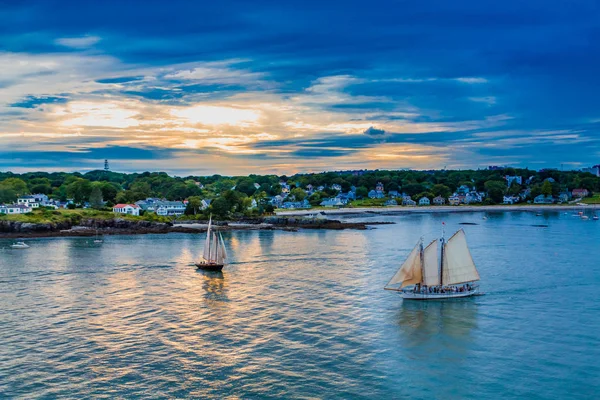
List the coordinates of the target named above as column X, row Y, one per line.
column 374, row 131
column 78, row 42
column 472, row 80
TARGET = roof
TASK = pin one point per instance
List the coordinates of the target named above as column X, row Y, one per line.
column 126, row 205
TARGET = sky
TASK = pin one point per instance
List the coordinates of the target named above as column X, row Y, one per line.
column 239, row 87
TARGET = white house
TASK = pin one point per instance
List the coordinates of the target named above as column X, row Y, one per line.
column 30, row 201
column 510, row 179
column 15, row 209
column 131, row 209
column 337, row 187
column 424, row 201
column 168, row 208
column 332, row 202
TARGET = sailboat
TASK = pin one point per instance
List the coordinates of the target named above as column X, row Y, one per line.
column 215, row 254
column 431, row 273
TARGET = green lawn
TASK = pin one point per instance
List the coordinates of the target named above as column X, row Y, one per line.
column 595, row 199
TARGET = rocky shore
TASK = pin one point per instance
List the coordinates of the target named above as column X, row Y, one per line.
column 118, row 226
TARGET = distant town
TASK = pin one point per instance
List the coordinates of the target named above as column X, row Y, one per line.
column 196, row 197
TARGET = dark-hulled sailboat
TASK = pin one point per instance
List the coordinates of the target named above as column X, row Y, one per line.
column 432, row 273
column 215, row 254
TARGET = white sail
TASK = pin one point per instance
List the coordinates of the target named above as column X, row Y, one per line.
column 458, row 266
column 410, row 272
column 222, row 250
column 214, row 248
column 206, row 254
column 431, row 265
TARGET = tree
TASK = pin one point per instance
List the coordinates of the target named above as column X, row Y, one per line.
column 362, row 192
column 96, row 198
column 413, row 189
column 299, row 194
column 7, row 195
column 514, row 189
column 547, row 188
column 495, row 190
column 441, row 190
column 194, row 205
column 15, row 184
column 220, row 207
column 246, row 185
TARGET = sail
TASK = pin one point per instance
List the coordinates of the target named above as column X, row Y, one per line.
column 410, row 272
column 214, row 248
column 206, row 254
column 431, row 265
column 458, row 263
column 222, row 250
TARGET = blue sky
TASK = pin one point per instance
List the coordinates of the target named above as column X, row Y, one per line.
column 235, row 87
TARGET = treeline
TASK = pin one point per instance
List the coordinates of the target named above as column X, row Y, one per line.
column 113, row 187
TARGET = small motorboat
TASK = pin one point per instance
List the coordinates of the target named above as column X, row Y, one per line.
column 595, row 218
column 19, row 245
column 585, row 217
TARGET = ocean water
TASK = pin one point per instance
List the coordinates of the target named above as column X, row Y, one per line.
column 303, row 315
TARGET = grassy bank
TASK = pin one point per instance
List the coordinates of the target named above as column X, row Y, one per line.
column 44, row 216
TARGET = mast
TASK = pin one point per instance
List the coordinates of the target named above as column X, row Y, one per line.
column 442, row 256
column 422, row 260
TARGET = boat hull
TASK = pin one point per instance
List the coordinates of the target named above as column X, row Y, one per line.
column 409, row 295
column 210, row 267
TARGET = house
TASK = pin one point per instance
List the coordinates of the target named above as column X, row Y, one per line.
column 564, row 197
column 30, row 201
column 296, row 204
column 131, row 209
column 309, row 188
column 169, row 208
column 463, row 189
column 332, row 202
column 595, row 170
column 454, row 200
column 407, row 201
column 439, row 201
column 321, row 188
column 510, row 179
column 424, row 201
column 551, row 180
column 256, row 186
column 391, row 202
column 253, row 204
column 374, row 194
column 337, row 187
column 473, row 197
column 393, row 194
column 205, row 203
column 276, row 201
column 353, row 188
column 379, row 187
column 541, row 199
column 510, row 199
column 15, row 209
column 580, row 193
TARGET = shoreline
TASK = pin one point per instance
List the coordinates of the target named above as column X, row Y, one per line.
column 437, row 209
column 194, row 228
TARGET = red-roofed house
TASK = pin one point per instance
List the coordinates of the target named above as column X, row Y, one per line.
column 131, row 209
column 580, row 193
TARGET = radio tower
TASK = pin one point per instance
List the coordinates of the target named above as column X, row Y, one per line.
column 106, row 165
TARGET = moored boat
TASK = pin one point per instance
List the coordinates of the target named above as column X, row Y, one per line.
column 441, row 270
column 215, row 254
column 19, row 245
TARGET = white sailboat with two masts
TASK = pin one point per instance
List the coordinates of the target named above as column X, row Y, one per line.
column 215, row 254
column 432, row 272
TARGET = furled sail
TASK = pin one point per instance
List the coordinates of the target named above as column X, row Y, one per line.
column 431, row 265
column 206, row 254
column 458, row 266
column 410, row 272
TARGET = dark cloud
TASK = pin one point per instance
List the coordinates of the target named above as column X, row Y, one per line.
column 371, row 131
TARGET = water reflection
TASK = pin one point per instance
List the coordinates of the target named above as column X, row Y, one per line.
column 422, row 321
column 214, row 286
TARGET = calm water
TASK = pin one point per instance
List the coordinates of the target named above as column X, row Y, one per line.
column 303, row 315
